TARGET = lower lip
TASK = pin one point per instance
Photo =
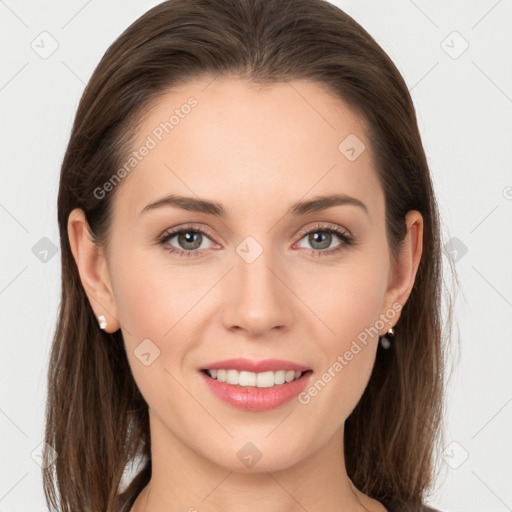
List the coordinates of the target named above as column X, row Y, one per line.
column 252, row 398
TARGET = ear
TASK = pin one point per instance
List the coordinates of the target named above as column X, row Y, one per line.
column 403, row 273
column 92, row 268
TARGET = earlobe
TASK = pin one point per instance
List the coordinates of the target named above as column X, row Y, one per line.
column 93, row 271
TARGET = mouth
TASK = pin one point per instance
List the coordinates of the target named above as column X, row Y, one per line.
column 255, row 385
column 246, row 379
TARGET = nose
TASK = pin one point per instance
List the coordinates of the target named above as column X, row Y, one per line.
column 258, row 299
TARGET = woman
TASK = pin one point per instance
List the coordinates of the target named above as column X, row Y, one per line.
column 251, row 271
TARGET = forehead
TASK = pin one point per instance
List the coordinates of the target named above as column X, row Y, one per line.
column 240, row 144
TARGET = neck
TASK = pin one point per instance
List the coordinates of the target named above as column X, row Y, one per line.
column 184, row 480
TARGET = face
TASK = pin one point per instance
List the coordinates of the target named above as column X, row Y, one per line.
column 311, row 286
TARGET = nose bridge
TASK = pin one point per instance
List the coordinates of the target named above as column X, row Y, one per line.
column 258, row 299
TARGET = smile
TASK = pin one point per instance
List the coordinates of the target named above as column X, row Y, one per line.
column 252, row 391
column 260, row 380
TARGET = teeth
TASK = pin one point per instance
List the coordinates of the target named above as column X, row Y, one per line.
column 245, row 378
column 260, row 380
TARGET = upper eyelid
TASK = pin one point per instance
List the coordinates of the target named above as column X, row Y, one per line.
column 172, row 232
column 325, row 227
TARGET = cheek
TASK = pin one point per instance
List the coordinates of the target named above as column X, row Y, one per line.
column 155, row 302
column 150, row 298
column 149, row 305
column 350, row 300
column 349, row 305
column 139, row 299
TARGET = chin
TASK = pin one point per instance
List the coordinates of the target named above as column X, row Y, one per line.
column 257, row 457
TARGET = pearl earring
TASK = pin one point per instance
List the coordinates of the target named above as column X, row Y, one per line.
column 102, row 321
column 384, row 340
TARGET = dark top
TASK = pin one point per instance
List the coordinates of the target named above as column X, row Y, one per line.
column 410, row 508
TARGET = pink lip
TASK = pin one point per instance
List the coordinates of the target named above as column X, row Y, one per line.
column 249, row 365
column 252, row 398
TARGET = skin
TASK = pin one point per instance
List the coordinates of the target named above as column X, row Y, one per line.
column 256, row 151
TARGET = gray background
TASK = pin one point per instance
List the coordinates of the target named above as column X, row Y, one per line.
column 463, row 98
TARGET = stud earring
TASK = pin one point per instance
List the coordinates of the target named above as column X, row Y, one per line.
column 102, row 321
column 384, row 340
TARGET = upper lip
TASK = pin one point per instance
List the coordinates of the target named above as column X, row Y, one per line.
column 250, row 365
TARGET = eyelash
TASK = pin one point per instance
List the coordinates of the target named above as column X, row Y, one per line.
column 344, row 237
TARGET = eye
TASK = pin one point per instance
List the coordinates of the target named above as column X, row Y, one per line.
column 321, row 237
column 189, row 241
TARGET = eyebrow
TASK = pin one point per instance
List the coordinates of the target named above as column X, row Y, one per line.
column 193, row 204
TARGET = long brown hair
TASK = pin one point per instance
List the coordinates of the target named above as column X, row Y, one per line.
column 96, row 419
